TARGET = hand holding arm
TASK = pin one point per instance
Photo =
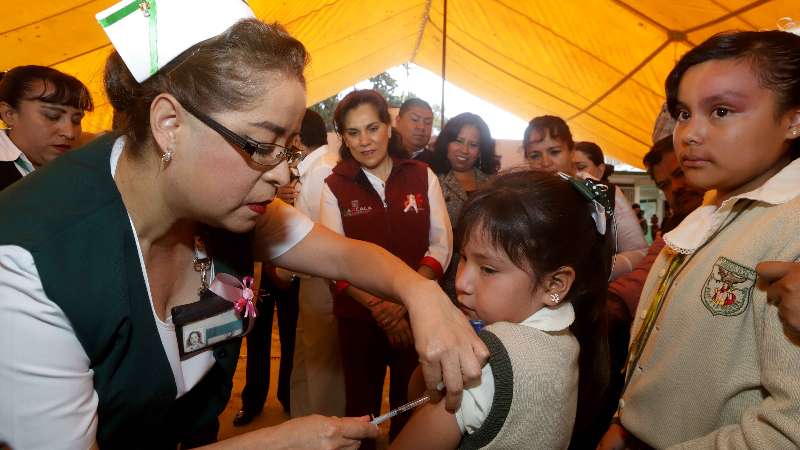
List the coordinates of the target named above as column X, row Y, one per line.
column 449, row 349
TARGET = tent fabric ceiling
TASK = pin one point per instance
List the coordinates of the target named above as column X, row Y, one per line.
column 598, row 63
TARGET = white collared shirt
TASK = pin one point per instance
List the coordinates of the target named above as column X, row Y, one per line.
column 699, row 226
column 313, row 171
column 476, row 402
column 10, row 152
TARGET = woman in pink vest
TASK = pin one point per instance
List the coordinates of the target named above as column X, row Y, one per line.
column 377, row 194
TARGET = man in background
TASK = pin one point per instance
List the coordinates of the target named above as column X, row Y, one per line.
column 415, row 124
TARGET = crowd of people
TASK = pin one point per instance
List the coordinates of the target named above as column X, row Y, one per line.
column 131, row 268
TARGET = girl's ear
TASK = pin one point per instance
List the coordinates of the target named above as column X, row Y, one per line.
column 793, row 132
column 557, row 284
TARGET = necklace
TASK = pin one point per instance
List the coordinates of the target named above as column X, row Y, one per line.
column 201, row 263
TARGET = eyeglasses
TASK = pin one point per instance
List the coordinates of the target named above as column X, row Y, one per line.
column 263, row 154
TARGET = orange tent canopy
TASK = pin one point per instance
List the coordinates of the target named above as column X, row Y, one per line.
column 598, row 63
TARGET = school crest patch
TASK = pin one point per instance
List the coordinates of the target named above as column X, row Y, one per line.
column 729, row 287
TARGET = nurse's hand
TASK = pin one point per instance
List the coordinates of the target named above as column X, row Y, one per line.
column 449, row 349
column 319, row 432
column 310, row 432
column 782, row 283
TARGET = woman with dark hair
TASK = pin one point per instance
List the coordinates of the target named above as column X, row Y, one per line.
column 376, row 194
column 548, row 145
column 43, row 109
column 710, row 363
column 539, row 283
column 590, row 162
column 164, row 222
column 464, row 158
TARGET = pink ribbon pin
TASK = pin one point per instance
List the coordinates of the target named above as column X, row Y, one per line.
column 240, row 293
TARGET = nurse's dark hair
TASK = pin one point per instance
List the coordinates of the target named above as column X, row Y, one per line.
column 774, row 57
column 45, row 84
column 225, row 72
column 353, row 100
column 542, row 223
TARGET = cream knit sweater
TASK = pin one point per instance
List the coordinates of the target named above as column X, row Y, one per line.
column 718, row 370
column 536, row 389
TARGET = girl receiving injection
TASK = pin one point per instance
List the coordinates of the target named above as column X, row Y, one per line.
column 534, row 266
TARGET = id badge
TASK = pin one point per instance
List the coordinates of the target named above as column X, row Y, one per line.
column 209, row 322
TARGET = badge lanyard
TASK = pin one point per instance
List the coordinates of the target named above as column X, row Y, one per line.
column 201, row 263
column 676, row 265
column 225, row 309
column 638, row 343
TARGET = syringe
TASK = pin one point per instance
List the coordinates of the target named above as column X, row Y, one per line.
column 477, row 325
column 408, row 406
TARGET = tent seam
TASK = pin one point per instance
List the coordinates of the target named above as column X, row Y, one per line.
column 553, row 96
column 628, row 77
column 78, row 55
column 46, row 18
column 732, row 14
column 426, row 15
column 549, row 94
column 310, row 13
column 726, row 9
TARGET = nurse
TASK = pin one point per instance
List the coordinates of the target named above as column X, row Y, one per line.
column 211, row 100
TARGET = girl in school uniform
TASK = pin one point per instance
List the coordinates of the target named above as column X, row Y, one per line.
column 537, row 281
column 710, row 364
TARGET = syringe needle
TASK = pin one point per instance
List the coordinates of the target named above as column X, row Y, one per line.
column 399, row 410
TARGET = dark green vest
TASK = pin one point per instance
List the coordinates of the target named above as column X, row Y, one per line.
column 70, row 216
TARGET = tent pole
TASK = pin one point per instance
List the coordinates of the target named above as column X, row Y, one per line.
column 444, row 63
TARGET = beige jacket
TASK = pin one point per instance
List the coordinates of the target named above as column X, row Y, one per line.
column 718, row 370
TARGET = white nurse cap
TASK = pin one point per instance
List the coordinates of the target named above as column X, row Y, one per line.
column 148, row 34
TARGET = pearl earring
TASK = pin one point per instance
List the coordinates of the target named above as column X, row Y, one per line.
column 555, row 298
column 167, row 156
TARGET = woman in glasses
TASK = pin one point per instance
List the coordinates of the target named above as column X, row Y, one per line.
column 376, row 194
column 99, row 246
